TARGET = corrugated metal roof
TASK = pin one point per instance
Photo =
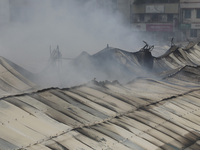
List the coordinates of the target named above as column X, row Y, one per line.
column 178, row 57
column 12, row 81
column 142, row 114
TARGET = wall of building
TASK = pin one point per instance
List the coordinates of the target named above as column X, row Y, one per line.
column 190, row 4
column 164, row 8
column 193, row 18
column 4, row 12
column 190, row 24
column 188, row 1
column 172, row 8
column 160, row 20
column 124, row 7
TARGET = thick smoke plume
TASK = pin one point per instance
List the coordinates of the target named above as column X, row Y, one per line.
column 74, row 25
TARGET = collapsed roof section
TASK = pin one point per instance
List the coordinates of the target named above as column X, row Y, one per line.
column 177, row 57
column 116, row 64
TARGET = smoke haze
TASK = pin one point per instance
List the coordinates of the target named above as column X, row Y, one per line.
column 75, row 26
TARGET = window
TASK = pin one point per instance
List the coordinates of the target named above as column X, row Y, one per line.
column 193, row 32
column 138, row 18
column 169, row 17
column 155, row 17
column 187, row 13
column 198, row 13
column 141, row 16
column 135, row 18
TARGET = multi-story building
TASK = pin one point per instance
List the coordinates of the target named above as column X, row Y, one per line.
column 190, row 18
column 159, row 17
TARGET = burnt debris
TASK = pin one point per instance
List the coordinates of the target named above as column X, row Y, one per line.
column 145, row 57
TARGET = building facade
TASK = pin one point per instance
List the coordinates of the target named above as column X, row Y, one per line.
column 124, row 7
column 190, row 18
column 167, row 18
column 159, row 18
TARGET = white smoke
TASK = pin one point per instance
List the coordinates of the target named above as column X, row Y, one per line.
column 74, row 25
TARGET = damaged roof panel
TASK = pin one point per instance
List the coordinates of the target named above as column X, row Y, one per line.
column 142, row 114
column 163, row 122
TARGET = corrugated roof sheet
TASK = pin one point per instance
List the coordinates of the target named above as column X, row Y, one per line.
column 142, row 114
column 12, row 81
